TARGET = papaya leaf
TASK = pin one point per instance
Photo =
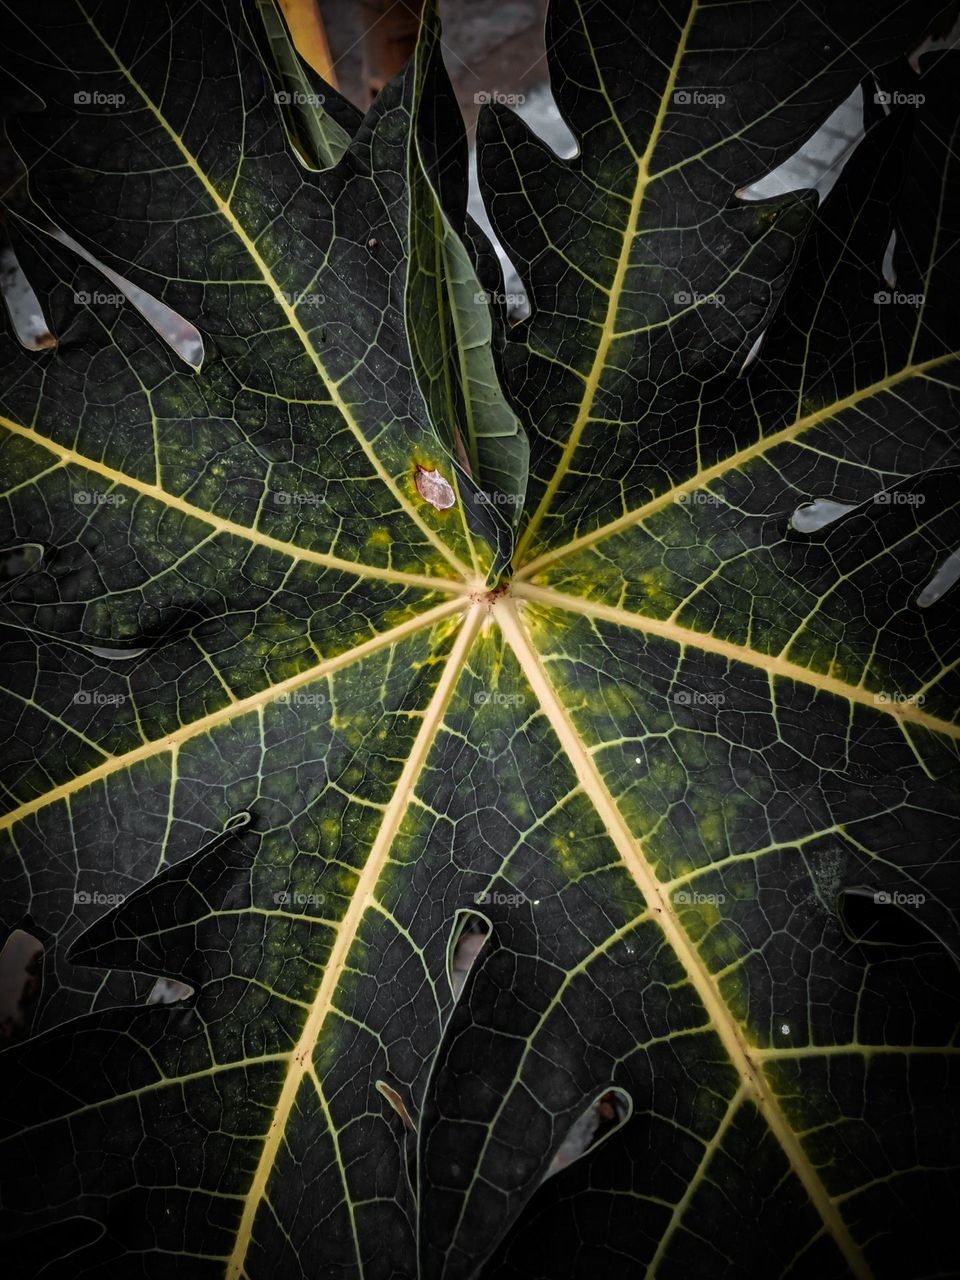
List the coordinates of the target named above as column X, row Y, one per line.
column 564, row 886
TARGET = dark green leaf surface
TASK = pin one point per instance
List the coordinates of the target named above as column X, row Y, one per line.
column 278, row 728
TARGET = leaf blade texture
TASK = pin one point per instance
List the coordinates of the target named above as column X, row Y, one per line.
column 564, row 881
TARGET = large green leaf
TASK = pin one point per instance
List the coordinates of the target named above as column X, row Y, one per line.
column 694, row 759
column 263, row 516
column 450, row 328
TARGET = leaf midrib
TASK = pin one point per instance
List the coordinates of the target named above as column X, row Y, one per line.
column 173, row 741
column 733, row 462
column 301, row 1057
column 720, row 1016
column 609, row 332
column 333, row 390
column 774, row 664
column 222, row 525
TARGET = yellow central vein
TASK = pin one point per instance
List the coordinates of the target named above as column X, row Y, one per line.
column 785, row 1053
column 171, row 741
column 301, row 1057
column 71, row 457
column 772, row 664
column 721, row 1019
column 609, row 331
column 289, row 310
column 739, row 459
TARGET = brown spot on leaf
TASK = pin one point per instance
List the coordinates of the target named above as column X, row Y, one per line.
column 434, row 488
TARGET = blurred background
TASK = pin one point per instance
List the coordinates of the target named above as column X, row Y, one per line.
column 491, row 45
column 493, row 49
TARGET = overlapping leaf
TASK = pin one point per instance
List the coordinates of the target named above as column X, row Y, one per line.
column 695, row 762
